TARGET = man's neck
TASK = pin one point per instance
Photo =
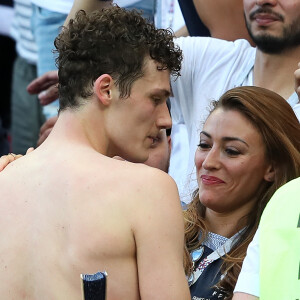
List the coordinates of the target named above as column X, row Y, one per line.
column 74, row 128
column 276, row 71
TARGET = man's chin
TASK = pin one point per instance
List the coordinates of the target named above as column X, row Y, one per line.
column 269, row 44
column 136, row 158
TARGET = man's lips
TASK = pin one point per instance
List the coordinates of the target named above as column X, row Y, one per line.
column 264, row 16
column 265, row 19
column 209, row 180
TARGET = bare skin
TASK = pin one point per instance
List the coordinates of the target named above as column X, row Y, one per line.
column 66, row 218
column 77, row 234
column 283, row 81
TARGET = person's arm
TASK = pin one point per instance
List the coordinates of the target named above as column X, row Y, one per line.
column 183, row 31
column 224, row 19
column 159, row 234
column 88, row 6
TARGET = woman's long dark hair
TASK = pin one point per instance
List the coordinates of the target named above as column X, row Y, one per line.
column 280, row 130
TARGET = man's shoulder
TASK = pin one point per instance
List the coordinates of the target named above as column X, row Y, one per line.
column 150, row 184
column 148, row 177
column 135, row 177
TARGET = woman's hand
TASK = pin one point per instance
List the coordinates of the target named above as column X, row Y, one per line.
column 10, row 157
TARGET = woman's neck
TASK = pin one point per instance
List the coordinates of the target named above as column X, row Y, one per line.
column 224, row 224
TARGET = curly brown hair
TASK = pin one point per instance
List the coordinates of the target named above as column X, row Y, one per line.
column 280, row 129
column 113, row 41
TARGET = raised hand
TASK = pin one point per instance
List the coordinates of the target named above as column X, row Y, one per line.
column 45, row 86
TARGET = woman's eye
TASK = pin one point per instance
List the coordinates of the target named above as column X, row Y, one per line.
column 232, row 152
column 202, row 145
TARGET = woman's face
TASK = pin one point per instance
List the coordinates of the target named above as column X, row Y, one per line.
column 230, row 162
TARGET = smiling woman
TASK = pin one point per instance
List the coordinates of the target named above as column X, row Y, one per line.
column 249, row 147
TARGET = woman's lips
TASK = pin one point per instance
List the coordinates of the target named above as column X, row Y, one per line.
column 210, row 180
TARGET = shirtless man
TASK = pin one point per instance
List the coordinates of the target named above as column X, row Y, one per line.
column 68, row 208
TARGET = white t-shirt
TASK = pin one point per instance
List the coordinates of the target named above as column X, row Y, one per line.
column 21, row 31
column 248, row 280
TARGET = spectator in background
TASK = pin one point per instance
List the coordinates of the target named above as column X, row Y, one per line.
column 47, row 18
column 27, row 116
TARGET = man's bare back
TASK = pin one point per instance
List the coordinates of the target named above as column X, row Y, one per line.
column 92, row 213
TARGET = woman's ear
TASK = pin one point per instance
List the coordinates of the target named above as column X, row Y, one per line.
column 270, row 173
column 103, row 88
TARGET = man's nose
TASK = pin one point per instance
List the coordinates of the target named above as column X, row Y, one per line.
column 164, row 120
column 266, row 2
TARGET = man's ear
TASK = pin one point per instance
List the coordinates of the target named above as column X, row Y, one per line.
column 270, row 173
column 103, row 88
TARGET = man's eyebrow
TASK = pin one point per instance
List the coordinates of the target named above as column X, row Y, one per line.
column 162, row 92
column 226, row 138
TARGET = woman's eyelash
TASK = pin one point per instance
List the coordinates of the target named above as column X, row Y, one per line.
column 232, row 152
column 203, row 145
